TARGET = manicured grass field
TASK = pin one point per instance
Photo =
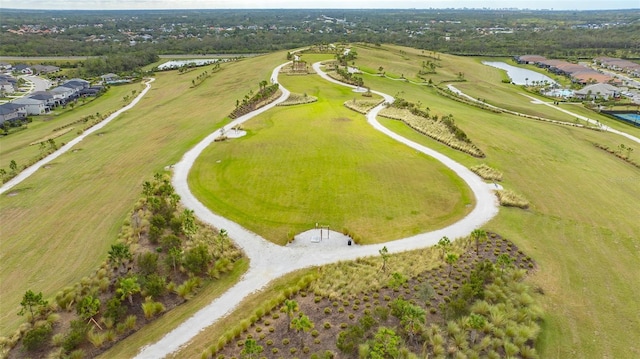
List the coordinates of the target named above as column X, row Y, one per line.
column 322, row 163
column 581, row 228
column 63, row 219
column 16, row 146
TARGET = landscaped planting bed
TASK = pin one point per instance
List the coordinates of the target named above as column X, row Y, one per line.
column 476, row 305
column 163, row 256
column 433, row 128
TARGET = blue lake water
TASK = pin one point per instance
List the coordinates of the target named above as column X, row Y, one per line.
column 518, row 75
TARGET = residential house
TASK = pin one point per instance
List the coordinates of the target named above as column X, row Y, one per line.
column 62, row 94
column 12, row 112
column 32, row 105
column 44, row 69
column 5, row 66
column 109, row 78
column 45, row 96
column 8, row 83
column 6, row 87
column 22, row 69
column 600, row 90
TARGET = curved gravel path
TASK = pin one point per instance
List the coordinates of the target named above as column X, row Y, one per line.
column 33, row 168
column 269, row 261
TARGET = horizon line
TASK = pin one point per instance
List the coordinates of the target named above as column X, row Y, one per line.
column 320, row 8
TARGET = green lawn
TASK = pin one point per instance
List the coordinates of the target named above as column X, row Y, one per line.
column 582, row 226
column 322, row 163
column 17, row 145
column 59, row 226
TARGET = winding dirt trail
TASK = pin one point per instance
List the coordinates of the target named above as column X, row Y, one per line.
column 269, row 261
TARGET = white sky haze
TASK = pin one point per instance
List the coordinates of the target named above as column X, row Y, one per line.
column 307, row 4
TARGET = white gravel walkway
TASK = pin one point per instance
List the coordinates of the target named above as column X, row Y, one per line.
column 269, row 261
column 33, row 168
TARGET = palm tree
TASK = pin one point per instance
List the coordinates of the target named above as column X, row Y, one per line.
column 384, row 253
column 290, row 307
column 478, row 235
column 129, row 286
column 444, row 243
column 302, row 322
column 413, row 319
column 451, row 259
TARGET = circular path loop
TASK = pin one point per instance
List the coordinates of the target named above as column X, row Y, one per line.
column 269, row 261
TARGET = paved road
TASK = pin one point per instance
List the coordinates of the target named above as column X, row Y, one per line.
column 33, row 168
column 38, row 83
column 269, row 261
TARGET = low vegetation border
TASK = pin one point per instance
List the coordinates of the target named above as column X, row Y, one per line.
column 442, row 130
column 164, row 254
column 457, row 299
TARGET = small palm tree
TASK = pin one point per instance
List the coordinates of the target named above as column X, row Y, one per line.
column 451, row 259
column 478, row 235
column 301, row 323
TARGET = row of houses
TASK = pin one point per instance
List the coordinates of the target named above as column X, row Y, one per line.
column 24, row 69
column 578, row 73
column 41, row 102
column 620, row 65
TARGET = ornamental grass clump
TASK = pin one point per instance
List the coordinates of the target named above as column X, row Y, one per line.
column 508, row 198
column 443, row 129
column 487, row 173
column 298, row 99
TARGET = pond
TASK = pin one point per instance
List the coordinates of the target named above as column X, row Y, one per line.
column 518, row 75
column 180, row 63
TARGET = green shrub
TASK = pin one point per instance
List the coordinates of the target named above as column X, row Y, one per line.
column 75, row 336
column 37, row 337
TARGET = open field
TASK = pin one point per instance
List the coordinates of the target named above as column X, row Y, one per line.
column 581, row 227
column 64, row 218
column 17, row 145
column 322, row 163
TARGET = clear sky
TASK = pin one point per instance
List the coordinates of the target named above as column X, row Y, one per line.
column 315, row 4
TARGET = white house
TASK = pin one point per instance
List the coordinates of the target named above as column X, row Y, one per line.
column 11, row 112
column 61, row 94
column 32, row 106
column 605, row 91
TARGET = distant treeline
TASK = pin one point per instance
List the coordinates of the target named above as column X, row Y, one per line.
column 555, row 34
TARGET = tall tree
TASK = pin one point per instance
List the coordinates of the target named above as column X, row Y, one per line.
column 31, row 303
column 444, row 244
